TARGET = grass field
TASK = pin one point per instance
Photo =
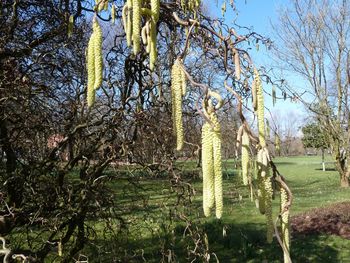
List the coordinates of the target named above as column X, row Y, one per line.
column 155, row 233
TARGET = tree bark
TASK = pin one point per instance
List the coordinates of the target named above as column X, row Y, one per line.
column 323, row 164
column 344, row 180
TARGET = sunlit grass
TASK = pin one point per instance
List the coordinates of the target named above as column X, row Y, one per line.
column 150, row 229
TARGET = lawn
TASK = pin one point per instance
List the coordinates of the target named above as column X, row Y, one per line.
column 161, row 225
column 156, row 234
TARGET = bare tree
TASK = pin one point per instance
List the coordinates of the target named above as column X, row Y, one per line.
column 314, row 40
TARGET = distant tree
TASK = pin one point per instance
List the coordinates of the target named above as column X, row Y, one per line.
column 315, row 138
column 314, row 39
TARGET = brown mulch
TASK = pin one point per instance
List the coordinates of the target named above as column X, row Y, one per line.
column 332, row 220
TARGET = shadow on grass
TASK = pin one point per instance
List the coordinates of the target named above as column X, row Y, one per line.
column 327, row 169
column 230, row 243
column 284, row 163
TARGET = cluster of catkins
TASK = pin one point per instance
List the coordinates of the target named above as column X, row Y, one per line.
column 264, row 180
column 133, row 11
column 190, row 5
column 211, row 164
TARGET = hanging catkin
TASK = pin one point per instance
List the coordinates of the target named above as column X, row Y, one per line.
column 266, row 190
column 268, row 131
column 261, row 186
column 153, row 45
column 254, row 95
column 136, row 25
column 260, row 108
column 245, row 156
column 211, row 165
column 113, row 14
column 285, row 225
column 176, row 93
column 98, row 54
column 155, row 6
column 207, row 169
column 91, row 70
column 70, row 25
column 277, row 145
column 217, row 166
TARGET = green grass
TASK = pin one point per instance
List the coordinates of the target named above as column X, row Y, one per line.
column 150, row 229
column 150, row 211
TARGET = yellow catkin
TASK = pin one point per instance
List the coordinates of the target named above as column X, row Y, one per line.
column 261, row 186
column 207, row 169
column 285, row 225
column 91, row 70
column 144, row 35
column 153, row 45
column 148, row 34
column 254, row 100
column 70, row 25
column 98, row 54
column 260, row 107
column 155, row 7
column 239, row 136
column 129, row 23
column 113, row 13
column 124, row 16
column 245, row 157
column 268, row 209
column 90, row 97
column 268, row 192
column 216, row 137
column 177, row 103
column 277, row 145
column 136, row 25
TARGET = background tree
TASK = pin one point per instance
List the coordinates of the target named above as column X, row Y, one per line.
column 313, row 137
column 313, row 42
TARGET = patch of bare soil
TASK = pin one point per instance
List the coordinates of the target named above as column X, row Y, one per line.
column 332, row 220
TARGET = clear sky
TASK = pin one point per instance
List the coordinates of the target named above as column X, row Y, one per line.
column 260, row 15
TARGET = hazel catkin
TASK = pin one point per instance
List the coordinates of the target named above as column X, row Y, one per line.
column 245, row 159
column 176, row 93
column 98, row 54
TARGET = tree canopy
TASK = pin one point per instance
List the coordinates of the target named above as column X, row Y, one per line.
column 96, row 95
column 313, row 137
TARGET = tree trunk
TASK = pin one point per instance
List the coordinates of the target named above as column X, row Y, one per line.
column 340, row 164
column 323, row 164
column 344, row 180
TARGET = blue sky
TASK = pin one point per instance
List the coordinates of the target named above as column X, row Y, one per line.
column 260, row 15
